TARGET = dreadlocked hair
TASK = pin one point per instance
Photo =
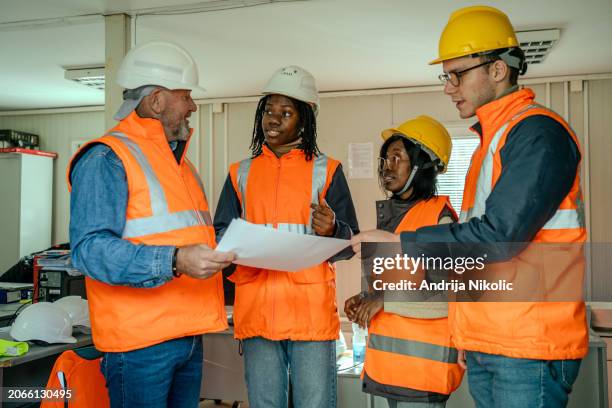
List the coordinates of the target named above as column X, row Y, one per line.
column 307, row 122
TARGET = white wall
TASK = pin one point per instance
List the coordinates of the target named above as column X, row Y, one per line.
column 223, row 133
column 57, row 132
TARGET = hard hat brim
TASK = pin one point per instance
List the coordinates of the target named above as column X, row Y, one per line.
column 69, row 339
column 163, row 83
column 198, row 89
column 386, row 134
column 177, row 85
column 314, row 105
column 467, row 54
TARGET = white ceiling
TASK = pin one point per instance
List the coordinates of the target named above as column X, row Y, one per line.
column 346, row 44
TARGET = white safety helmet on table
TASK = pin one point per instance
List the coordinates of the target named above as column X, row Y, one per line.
column 43, row 321
column 77, row 308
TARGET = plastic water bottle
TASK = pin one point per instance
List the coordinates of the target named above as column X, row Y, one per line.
column 340, row 345
column 359, row 343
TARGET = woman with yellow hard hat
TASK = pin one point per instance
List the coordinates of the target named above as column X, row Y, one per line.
column 410, row 359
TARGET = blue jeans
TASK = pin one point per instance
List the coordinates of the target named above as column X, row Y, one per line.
column 309, row 365
column 498, row 381
column 168, row 374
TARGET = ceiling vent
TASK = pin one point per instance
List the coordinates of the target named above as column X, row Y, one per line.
column 92, row 77
column 537, row 44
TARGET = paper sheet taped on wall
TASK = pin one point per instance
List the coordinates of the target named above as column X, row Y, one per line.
column 269, row 248
column 360, row 160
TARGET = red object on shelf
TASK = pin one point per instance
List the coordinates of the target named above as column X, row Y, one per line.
column 28, row 151
column 35, row 272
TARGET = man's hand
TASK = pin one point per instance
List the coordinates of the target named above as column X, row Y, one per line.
column 461, row 359
column 201, row 262
column 368, row 308
column 351, row 305
column 323, row 219
column 372, row 236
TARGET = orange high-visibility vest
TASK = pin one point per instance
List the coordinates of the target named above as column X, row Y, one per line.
column 79, row 380
column 276, row 305
column 166, row 206
column 408, row 352
column 535, row 330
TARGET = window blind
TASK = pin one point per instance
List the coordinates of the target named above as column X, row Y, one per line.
column 451, row 183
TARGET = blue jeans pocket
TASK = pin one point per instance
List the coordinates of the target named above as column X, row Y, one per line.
column 103, row 365
column 569, row 371
column 564, row 372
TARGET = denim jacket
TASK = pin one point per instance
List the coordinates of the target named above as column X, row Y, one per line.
column 97, row 217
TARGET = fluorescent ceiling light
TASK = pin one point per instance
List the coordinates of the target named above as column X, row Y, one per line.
column 92, row 77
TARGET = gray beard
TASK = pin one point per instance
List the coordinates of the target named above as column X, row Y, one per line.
column 180, row 134
column 183, row 131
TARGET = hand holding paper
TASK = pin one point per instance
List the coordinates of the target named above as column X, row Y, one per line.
column 269, row 248
column 201, row 262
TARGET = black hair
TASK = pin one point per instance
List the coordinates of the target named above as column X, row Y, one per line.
column 307, row 122
column 424, row 182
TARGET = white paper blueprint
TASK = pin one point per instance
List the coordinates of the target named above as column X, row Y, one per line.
column 269, row 248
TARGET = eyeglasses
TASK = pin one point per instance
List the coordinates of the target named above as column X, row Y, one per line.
column 391, row 162
column 454, row 77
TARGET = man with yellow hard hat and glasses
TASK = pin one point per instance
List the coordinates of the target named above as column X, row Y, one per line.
column 523, row 187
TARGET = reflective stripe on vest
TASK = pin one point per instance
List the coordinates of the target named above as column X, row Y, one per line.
column 243, row 174
column 413, row 348
column 196, row 176
column 295, row 228
column 162, row 219
column 319, row 176
column 485, row 179
column 562, row 219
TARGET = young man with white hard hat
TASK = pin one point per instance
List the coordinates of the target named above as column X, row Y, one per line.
column 523, row 186
column 141, row 232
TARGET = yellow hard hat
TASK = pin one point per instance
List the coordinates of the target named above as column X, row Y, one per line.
column 429, row 134
column 472, row 30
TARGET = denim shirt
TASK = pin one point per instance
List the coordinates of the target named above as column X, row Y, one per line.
column 97, row 217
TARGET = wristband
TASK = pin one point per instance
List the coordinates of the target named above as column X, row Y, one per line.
column 174, row 271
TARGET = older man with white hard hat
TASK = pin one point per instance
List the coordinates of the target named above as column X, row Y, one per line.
column 141, row 232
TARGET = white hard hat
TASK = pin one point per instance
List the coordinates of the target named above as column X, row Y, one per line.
column 43, row 321
column 77, row 309
column 294, row 82
column 158, row 63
